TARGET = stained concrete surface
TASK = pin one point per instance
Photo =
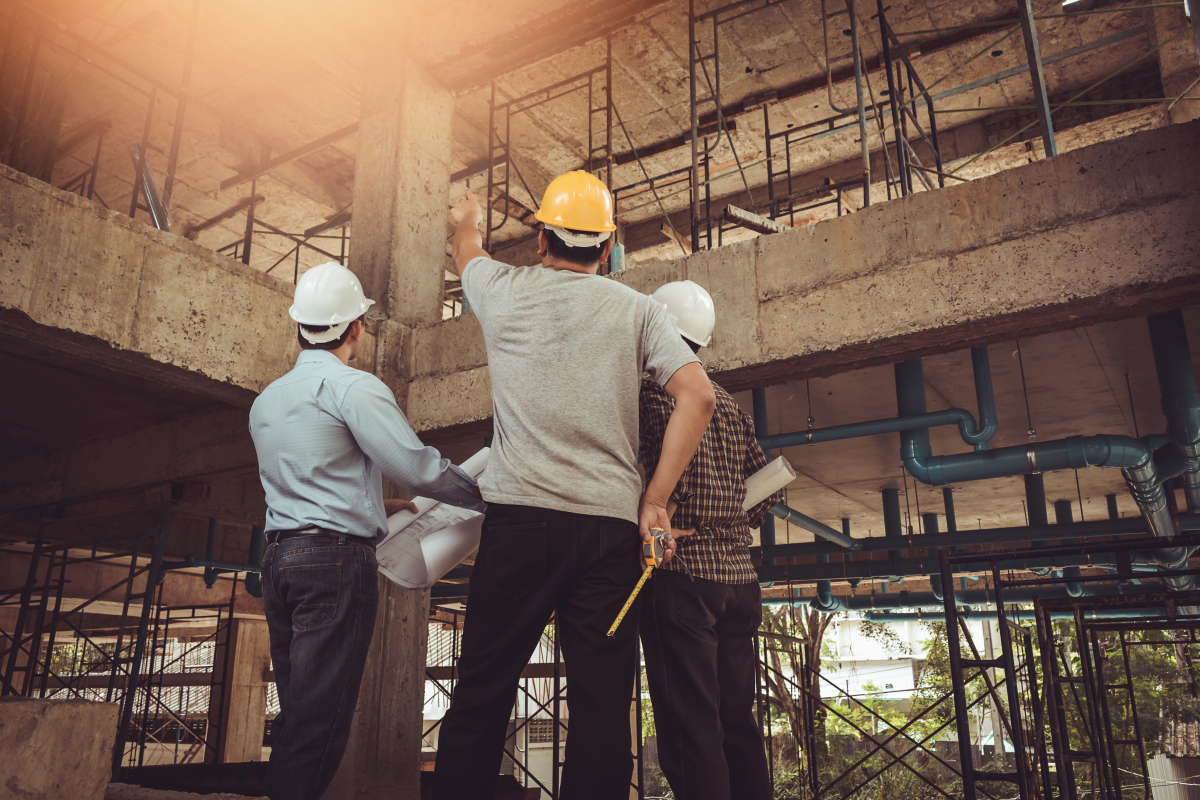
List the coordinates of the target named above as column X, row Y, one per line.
column 55, row 749
column 124, row 791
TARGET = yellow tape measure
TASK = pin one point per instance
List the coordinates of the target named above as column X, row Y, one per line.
column 653, row 551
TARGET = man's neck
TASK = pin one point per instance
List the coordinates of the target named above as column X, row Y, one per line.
column 549, row 262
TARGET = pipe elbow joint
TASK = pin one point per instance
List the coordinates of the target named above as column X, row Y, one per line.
column 922, row 464
column 254, row 584
column 977, row 434
column 833, row 605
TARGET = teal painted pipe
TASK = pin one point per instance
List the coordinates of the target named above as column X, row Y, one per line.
column 809, row 524
column 1180, row 398
column 976, row 434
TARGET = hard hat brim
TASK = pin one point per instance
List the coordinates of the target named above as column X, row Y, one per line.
column 550, row 219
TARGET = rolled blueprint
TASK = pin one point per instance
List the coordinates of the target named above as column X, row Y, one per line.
column 767, row 481
column 423, row 547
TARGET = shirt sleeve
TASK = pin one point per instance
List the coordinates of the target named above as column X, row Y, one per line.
column 665, row 350
column 756, row 459
column 477, row 276
column 383, row 433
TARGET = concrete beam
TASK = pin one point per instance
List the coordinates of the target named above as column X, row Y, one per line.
column 99, row 286
column 1101, row 233
column 465, row 51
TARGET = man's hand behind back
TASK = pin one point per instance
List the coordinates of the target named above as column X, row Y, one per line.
column 652, row 515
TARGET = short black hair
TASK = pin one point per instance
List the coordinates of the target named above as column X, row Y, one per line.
column 305, row 344
column 695, row 347
column 583, row 256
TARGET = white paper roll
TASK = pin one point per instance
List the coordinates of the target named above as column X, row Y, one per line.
column 767, row 481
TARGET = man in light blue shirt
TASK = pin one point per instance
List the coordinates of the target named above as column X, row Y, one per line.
column 326, row 434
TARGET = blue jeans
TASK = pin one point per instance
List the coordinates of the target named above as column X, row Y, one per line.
column 320, row 594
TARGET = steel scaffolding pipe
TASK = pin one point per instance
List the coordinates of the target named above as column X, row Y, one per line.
column 985, row 536
column 970, row 598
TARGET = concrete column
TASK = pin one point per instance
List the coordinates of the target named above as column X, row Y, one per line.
column 241, row 703
column 402, row 178
column 383, row 759
column 1178, row 63
column 398, row 251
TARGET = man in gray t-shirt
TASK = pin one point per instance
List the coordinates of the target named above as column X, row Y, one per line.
column 566, row 352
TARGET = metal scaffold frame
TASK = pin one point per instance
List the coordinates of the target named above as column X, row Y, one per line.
column 1062, row 710
column 130, row 671
column 501, row 112
column 443, row 677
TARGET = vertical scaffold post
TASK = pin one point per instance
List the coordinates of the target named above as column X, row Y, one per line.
column 1037, row 75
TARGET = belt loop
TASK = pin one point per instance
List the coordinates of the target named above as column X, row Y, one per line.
column 342, row 539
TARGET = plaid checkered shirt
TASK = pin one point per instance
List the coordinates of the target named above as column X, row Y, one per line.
column 710, row 492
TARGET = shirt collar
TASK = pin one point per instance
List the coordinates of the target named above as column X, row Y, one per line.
column 317, row 357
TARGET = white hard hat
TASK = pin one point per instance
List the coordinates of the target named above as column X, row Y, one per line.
column 690, row 308
column 328, row 294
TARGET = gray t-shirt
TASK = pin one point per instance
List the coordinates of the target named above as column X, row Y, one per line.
column 566, row 352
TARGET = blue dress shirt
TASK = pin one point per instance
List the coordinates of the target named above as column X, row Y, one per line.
column 325, row 434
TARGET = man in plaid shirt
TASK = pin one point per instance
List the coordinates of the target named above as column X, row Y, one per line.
column 701, row 610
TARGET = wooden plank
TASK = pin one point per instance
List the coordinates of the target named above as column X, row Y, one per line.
column 670, row 233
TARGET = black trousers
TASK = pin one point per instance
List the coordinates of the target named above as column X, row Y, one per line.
column 320, row 596
column 698, row 637
column 531, row 562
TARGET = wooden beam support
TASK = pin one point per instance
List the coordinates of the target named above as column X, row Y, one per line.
column 291, row 155
column 670, row 233
column 751, row 221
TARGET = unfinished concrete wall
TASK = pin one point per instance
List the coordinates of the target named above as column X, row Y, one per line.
column 1103, row 232
column 55, row 749
column 1099, row 233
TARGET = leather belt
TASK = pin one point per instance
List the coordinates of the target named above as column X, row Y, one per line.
column 275, row 537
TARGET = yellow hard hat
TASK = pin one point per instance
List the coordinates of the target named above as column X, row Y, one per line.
column 577, row 200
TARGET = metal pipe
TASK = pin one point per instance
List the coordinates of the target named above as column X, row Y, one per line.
column 1180, row 398
column 929, row 526
column 1064, row 516
column 1012, row 613
column 1037, row 75
column 862, row 106
column 970, row 432
column 257, row 544
column 766, row 533
column 985, row 536
column 893, row 526
column 1132, row 456
column 809, row 524
column 971, row 597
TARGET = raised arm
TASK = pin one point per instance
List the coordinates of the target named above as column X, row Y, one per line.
column 468, row 242
column 383, row 433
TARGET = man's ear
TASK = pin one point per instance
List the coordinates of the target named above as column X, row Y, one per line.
column 356, row 329
column 608, row 246
column 543, row 245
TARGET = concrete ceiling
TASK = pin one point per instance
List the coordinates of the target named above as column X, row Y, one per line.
column 1076, row 384
column 50, row 400
column 269, row 77
column 279, row 75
